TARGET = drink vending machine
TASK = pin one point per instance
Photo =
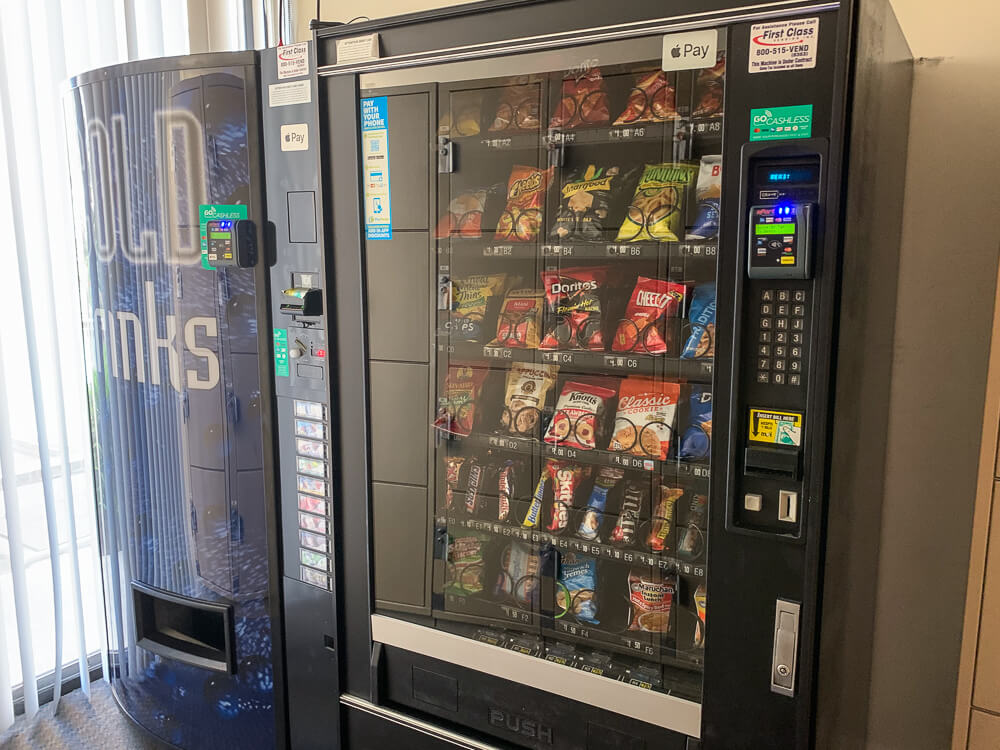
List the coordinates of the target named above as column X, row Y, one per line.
column 204, row 335
column 612, row 293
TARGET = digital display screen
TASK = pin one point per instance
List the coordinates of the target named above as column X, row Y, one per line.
column 782, row 228
column 220, row 235
column 791, row 175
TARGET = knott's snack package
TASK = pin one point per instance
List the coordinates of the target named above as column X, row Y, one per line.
column 652, row 99
column 527, row 388
column 701, row 340
column 465, row 562
column 584, row 101
column 573, row 306
column 651, row 300
column 566, row 478
column 579, row 415
column 457, row 408
column 520, row 323
column 577, row 587
column 518, row 109
column 657, row 209
column 583, row 203
column 709, row 88
column 521, row 221
column 469, row 299
column 652, row 596
column 645, row 419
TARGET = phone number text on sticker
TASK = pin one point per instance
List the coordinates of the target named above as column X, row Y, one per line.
column 784, row 45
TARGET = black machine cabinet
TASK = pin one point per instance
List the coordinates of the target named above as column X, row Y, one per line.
column 611, row 299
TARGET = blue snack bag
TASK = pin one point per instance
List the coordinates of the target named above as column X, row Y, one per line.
column 701, row 341
column 576, row 591
column 696, row 442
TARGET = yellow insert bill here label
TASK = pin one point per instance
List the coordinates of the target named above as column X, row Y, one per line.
column 776, row 427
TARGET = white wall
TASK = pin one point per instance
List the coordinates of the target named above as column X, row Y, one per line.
column 951, row 242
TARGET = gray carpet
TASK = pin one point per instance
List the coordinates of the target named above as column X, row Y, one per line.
column 80, row 724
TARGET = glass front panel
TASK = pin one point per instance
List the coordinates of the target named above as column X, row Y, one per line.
column 574, row 237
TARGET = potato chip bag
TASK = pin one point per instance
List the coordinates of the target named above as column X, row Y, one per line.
column 583, row 203
column 701, row 340
column 465, row 562
column 584, row 101
column 518, row 109
column 457, row 407
column 709, row 89
column 469, row 298
column 521, row 220
column 520, row 321
column 464, row 217
column 651, row 301
column 652, row 99
column 657, row 209
column 573, row 308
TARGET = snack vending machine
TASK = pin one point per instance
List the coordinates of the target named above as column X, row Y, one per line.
column 614, row 293
column 190, row 265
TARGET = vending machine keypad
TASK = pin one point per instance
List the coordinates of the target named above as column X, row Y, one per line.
column 782, row 341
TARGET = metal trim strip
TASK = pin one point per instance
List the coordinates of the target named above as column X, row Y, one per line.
column 584, row 36
column 411, row 722
column 661, row 710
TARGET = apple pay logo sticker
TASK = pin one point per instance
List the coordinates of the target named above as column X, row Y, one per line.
column 691, row 49
column 295, row 137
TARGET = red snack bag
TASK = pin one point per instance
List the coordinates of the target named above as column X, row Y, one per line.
column 579, row 415
column 573, row 306
column 522, row 218
column 566, row 479
column 652, row 99
column 457, row 408
column 651, row 300
column 710, row 88
column 584, row 101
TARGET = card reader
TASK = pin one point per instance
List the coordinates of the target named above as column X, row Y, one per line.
column 780, row 241
column 231, row 242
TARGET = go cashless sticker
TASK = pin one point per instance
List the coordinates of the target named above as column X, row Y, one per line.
column 776, row 427
column 375, row 164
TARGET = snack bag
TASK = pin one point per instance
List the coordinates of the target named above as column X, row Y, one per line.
column 474, row 499
column 522, row 219
column 636, row 497
column 579, row 415
column 566, row 479
column 519, row 573
column 701, row 340
column 700, row 605
column 692, row 541
column 584, row 101
column 709, row 89
column 708, row 193
column 520, row 322
column 465, row 562
column 652, row 99
column 518, row 109
column 534, row 514
column 506, row 480
column 577, row 587
column 696, row 442
column 645, row 419
column 469, row 299
column 652, row 596
column 593, row 514
column 657, row 208
column 452, row 471
column 526, row 390
column 663, row 517
column 573, row 306
column 583, row 203
column 457, row 408
column 464, row 116
column 651, row 300
column 464, row 217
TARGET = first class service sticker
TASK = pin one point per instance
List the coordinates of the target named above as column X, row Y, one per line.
column 375, row 160
column 776, row 427
column 784, row 45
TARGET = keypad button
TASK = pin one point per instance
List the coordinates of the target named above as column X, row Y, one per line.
column 763, row 363
column 767, row 295
column 800, row 295
column 763, row 350
column 779, row 364
column 765, row 337
column 783, row 295
column 779, row 351
column 779, row 378
column 794, row 380
column 797, row 338
column 781, row 324
column 782, row 309
column 795, row 365
column 763, row 377
column 798, row 324
column 765, row 309
column 796, row 351
column 765, row 323
column 798, row 310
column 781, row 337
